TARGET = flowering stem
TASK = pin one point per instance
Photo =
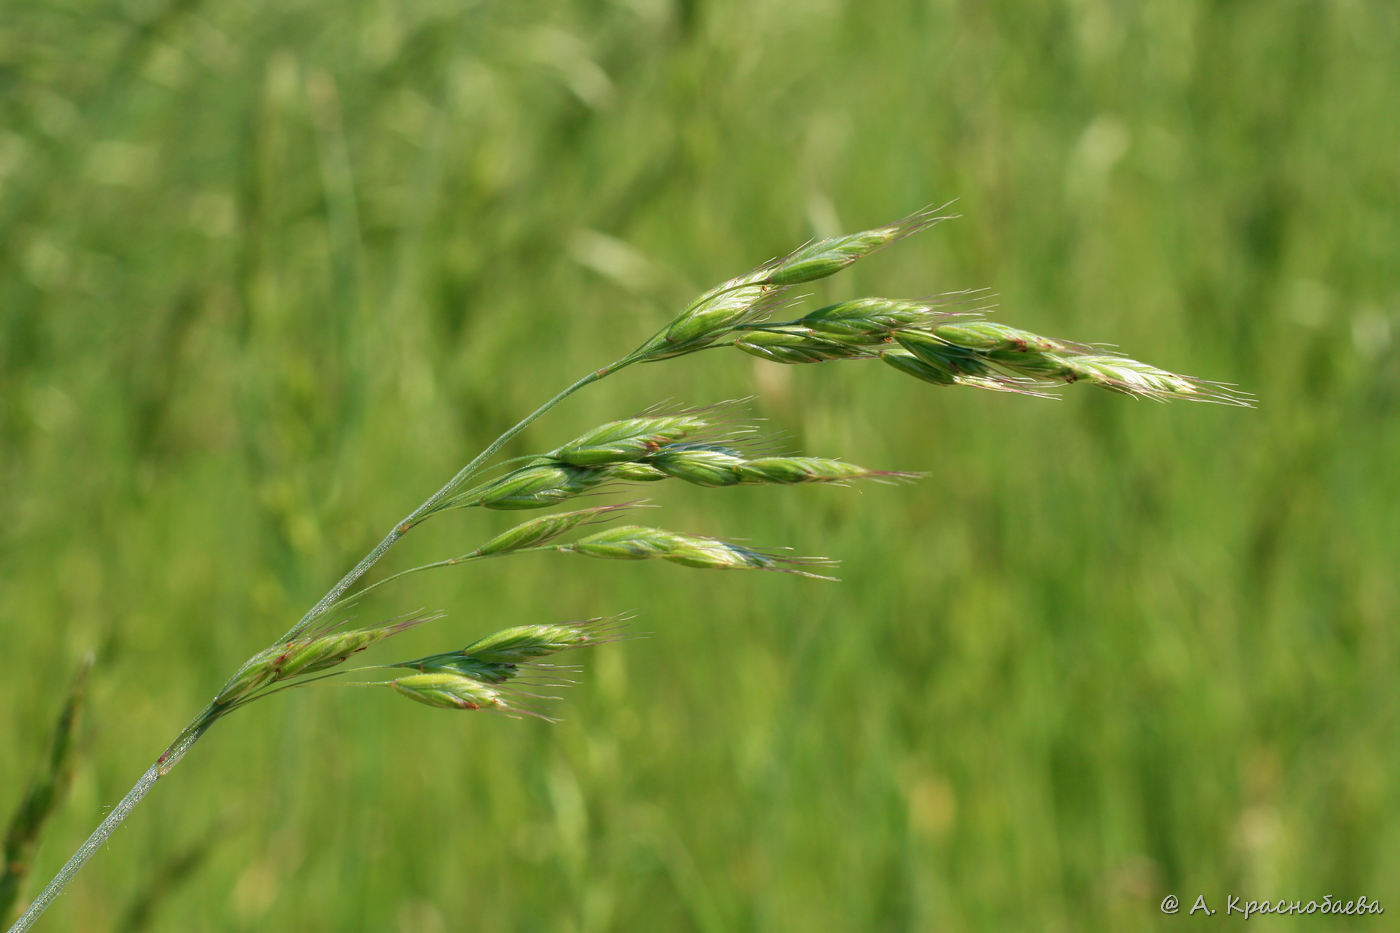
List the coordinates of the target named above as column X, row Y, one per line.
column 201, row 723
column 182, row 744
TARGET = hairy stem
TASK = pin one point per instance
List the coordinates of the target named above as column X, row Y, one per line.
column 120, row 812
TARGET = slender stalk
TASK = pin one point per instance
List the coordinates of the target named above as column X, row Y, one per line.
column 86, row 851
column 448, row 562
column 120, row 812
column 418, row 514
column 201, row 724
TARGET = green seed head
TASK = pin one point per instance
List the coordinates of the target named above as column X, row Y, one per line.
column 739, row 301
column 717, row 466
column 788, row 470
column 1037, row 363
column 702, row 466
column 539, row 530
column 539, row 486
column 446, row 690
column 526, row 642
column 305, row 655
column 638, row 542
column 1129, row 377
column 713, row 313
column 712, row 554
column 488, row 672
column 313, row 655
column 829, row 256
column 625, row 542
column 1005, row 359
column 988, row 336
column 636, row 473
column 794, row 345
column 943, row 355
column 259, row 671
column 911, row 365
column 500, row 656
column 869, row 320
column 627, row 441
column 943, row 363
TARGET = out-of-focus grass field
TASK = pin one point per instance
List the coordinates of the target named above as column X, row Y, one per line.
column 270, row 272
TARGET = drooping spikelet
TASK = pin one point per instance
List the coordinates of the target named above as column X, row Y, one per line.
column 796, row 345
column 498, row 657
column 717, row 466
column 639, row 542
column 753, row 295
column 308, row 654
column 446, row 690
column 628, row 440
column 825, row 257
column 536, row 486
column 986, row 350
column 542, row 530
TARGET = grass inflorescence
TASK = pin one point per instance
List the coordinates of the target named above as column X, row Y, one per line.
column 943, row 340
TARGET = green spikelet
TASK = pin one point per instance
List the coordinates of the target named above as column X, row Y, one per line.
column 328, row 651
column 829, row 256
column 790, row 470
column 639, row 542
column 445, row 690
column 527, row 642
column 536, row 487
column 258, row 671
column 628, row 440
column 701, row 466
column 794, row 345
column 540, row 530
column 866, row 320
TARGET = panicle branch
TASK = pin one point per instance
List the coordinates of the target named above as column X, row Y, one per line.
column 310, row 654
column 640, row 542
column 480, row 675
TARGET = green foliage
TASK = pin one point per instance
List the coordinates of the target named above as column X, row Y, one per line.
column 272, row 271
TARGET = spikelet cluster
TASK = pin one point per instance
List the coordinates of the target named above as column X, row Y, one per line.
column 940, row 340
column 480, row 675
column 926, row 340
column 756, row 294
column 303, row 656
column 643, row 450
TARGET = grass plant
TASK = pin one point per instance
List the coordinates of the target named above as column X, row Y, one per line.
column 271, row 272
column 936, row 340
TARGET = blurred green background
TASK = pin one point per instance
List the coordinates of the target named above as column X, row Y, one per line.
column 270, row 272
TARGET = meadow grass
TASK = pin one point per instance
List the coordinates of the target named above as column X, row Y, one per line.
column 266, row 277
column 932, row 345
